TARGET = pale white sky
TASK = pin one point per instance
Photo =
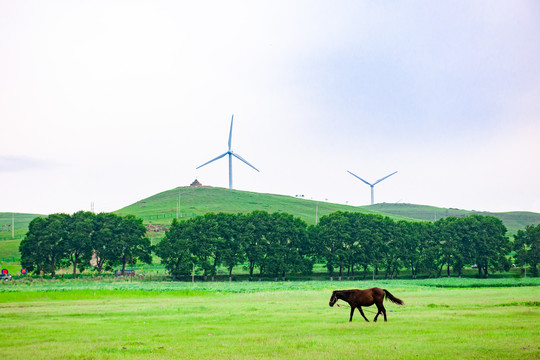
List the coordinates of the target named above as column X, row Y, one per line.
column 114, row 101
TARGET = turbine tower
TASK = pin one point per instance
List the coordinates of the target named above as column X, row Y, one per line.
column 372, row 185
column 231, row 154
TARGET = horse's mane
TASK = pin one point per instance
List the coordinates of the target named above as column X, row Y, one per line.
column 344, row 294
column 345, row 291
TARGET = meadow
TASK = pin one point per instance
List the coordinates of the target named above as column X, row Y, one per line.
column 446, row 318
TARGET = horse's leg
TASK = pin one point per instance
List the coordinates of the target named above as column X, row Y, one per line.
column 362, row 312
column 381, row 310
column 352, row 312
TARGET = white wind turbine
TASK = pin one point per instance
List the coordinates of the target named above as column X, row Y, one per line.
column 231, row 154
column 372, row 185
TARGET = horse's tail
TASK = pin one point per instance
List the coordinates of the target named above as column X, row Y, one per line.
column 392, row 298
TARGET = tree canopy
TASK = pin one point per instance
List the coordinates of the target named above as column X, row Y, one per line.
column 59, row 240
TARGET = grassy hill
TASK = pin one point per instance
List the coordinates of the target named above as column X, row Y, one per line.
column 9, row 246
column 162, row 208
column 513, row 221
column 21, row 225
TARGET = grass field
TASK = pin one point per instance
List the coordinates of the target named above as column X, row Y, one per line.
column 442, row 318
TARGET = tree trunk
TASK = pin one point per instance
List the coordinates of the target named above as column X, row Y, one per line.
column 123, row 265
column 53, row 268
column 251, row 268
column 75, row 268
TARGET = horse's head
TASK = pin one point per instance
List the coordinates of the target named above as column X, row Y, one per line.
column 333, row 299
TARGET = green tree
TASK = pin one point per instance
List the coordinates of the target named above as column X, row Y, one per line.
column 486, row 242
column 286, row 238
column 229, row 245
column 201, row 232
column 78, row 241
column 452, row 237
column 176, row 250
column 253, row 227
column 330, row 235
column 43, row 248
column 415, row 240
column 527, row 247
column 103, row 240
column 131, row 244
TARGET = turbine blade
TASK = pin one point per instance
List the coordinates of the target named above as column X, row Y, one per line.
column 230, row 132
column 244, row 160
column 358, row 177
column 208, row 162
column 387, row 176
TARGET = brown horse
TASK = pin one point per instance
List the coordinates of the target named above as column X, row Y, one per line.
column 358, row 298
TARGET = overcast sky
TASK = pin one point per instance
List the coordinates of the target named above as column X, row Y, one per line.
column 114, row 101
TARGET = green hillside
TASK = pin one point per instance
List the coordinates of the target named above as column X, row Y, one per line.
column 513, row 221
column 9, row 245
column 21, row 225
column 162, row 208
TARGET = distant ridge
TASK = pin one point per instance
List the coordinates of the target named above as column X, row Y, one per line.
column 161, row 208
column 513, row 220
column 198, row 200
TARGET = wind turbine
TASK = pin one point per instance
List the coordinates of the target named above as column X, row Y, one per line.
column 231, row 154
column 372, row 185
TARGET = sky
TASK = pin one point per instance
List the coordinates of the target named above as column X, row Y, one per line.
column 110, row 102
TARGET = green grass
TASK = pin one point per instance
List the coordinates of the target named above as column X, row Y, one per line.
column 125, row 320
column 161, row 208
column 10, row 257
column 21, row 225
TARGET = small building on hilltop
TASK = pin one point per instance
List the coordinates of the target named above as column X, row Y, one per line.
column 196, row 183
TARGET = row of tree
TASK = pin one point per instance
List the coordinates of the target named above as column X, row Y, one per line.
column 527, row 247
column 277, row 244
column 350, row 241
column 82, row 240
